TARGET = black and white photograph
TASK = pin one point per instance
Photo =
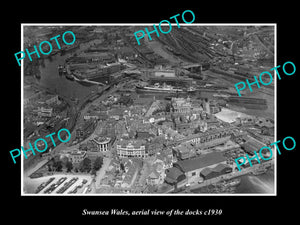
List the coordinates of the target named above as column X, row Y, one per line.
column 134, row 113
column 148, row 115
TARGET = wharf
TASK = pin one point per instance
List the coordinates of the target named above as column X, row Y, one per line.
column 244, row 171
column 231, row 175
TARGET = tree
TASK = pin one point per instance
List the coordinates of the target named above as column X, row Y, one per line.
column 64, row 160
column 69, row 166
column 49, row 167
column 98, row 163
column 122, row 167
column 85, row 165
column 93, row 172
column 57, row 165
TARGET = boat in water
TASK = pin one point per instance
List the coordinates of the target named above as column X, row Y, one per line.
column 234, row 182
column 157, row 88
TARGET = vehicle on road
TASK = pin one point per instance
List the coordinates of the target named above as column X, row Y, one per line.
column 43, row 185
column 54, row 186
column 67, row 185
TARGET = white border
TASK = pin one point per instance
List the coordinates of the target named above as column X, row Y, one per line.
column 151, row 24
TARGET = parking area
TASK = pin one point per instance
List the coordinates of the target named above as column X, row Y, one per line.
column 60, row 184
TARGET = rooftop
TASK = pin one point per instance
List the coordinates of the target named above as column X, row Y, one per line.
column 217, row 169
column 154, row 175
column 201, row 161
column 79, row 153
column 173, row 173
column 136, row 143
column 252, row 145
column 220, row 167
column 210, row 132
column 102, row 140
column 184, row 147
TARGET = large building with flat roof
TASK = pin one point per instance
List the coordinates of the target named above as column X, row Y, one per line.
column 192, row 168
column 252, row 145
column 220, row 169
column 131, row 148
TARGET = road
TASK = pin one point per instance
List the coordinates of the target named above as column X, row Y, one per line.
column 102, row 171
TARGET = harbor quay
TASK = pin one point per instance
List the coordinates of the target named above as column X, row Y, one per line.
column 255, row 169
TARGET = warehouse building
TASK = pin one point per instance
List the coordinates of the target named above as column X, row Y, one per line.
column 219, row 170
column 252, row 145
column 174, row 176
column 192, row 168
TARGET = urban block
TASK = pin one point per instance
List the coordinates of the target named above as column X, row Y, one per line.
column 265, row 74
column 23, row 54
column 244, row 159
column 138, row 37
column 36, row 144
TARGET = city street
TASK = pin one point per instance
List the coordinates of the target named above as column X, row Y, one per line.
column 101, row 172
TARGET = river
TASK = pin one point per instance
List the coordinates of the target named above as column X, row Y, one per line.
column 51, row 79
column 261, row 184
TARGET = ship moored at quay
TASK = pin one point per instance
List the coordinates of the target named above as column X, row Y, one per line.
column 164, row 88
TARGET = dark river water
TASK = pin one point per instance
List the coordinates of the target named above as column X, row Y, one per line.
column 51, row 79
column 263, row 183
